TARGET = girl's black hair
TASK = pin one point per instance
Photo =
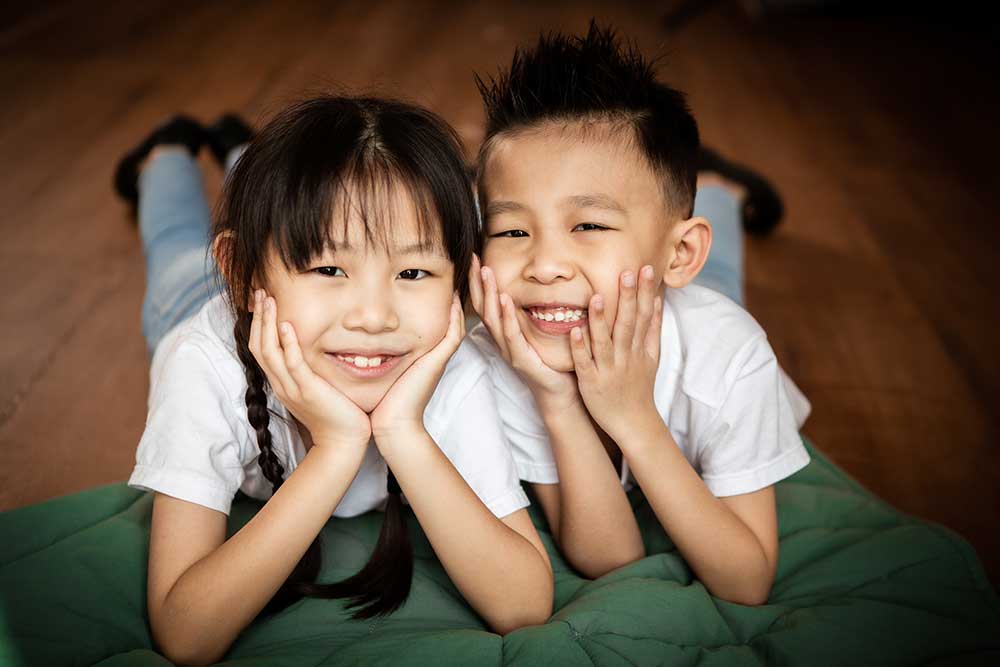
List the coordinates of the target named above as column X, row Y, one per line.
column 596, row 78
column 320, row 157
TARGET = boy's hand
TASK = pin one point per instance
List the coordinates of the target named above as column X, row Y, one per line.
column 616, row 372
column 331, row 417
column 553, row 390
column 401, row 410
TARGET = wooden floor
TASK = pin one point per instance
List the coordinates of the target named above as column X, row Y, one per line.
column 879, row 292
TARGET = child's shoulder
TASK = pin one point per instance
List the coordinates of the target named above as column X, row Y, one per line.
column 467, row 366
column 708, row 339
column 201, row 345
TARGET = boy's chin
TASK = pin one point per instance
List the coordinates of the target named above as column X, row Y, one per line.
column 555, row 354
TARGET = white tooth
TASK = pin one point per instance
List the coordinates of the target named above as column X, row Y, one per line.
column 560, row 316
column 349, row 360
column 571, row 317
column 361, row 362
column 376, row 361
column 537, row 315
column 549, row 317
column 578, row 313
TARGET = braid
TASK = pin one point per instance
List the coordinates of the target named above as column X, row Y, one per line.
column 300, row 580
column 256, row 400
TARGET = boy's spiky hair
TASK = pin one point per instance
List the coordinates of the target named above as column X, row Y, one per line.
column 595, row 78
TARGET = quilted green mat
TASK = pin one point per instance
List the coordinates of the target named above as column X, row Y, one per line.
column 858, row 584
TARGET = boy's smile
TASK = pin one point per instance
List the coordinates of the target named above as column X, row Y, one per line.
column 566, row 211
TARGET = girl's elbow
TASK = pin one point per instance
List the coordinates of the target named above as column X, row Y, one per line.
column 536, row 614
column 750, row 593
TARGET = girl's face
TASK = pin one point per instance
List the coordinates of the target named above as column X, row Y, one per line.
column 363, row 313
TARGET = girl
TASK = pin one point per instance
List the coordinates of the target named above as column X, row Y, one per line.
column 321, row 376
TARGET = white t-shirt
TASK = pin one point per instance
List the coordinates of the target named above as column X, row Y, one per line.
column 199, row 446
column 734, row 413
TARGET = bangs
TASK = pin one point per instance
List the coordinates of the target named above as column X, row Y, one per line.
column 375, row 195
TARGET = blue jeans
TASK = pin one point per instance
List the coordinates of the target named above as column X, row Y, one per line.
column 181, row 276
column 174, row 225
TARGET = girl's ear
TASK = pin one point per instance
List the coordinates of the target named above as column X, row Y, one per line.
column 222, row 250
column 690, row 242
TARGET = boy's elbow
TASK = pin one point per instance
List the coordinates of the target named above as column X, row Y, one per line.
column 606, row 561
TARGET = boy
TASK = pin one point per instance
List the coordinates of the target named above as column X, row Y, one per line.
column 609, row 364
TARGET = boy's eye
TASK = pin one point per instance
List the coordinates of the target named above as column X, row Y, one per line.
column 413, row 274
column 331, row 271
column 589, row 227
column 510, row 234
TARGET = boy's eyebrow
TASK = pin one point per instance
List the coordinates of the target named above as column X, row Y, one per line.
column 596, row 201
column 498, row 207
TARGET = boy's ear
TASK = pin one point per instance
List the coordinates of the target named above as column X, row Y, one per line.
column 222, row 250
column 690, row 242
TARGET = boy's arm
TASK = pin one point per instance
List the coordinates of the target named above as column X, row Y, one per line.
column 588, row 511
column 730, row 544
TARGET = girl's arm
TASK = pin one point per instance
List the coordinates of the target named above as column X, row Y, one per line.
column 499, row 565
column 203, row 590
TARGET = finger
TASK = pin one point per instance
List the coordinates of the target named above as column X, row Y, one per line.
column 647, row 293
column 520, row 351
column 492, row 315
column 302, row 376
column 625, row 320
column 476, row 285
column 600, row 337
column 460, row 318
column 270, row 349
column 654, row 335
column 583, row 362
column 258, row 314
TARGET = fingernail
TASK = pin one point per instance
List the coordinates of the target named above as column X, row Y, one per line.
column 285, row 329
column 598, row 303
column 576, row 333
column 256, row 295
column 628, row 279
column 647, row 272
column 482, row 272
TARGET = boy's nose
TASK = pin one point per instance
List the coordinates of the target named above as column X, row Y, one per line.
column 549, row 262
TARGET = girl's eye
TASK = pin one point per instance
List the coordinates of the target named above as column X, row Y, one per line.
column 589, row 227
column 413, row 274
column 331, row 271
column 510, row 234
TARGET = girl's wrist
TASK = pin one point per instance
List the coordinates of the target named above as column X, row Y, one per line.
column 401, row 432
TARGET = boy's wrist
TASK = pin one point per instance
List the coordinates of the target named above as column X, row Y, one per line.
column 632, row 429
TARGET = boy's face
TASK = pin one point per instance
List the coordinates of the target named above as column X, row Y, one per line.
column 386, row 306
column 565, row 215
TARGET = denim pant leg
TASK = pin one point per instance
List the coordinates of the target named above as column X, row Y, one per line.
column 174, row 222
column 723, row 271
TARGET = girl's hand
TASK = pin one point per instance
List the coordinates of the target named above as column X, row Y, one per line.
column 331, row 417
column 401, row 410
column 553, row 390
column 616, row 372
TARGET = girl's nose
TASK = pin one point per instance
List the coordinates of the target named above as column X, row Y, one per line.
column 371, row 312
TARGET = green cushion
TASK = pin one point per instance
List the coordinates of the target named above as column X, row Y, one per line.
column 858, row 584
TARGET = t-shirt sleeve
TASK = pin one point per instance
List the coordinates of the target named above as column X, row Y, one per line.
column 189, row 449
column 518, row 416
column 753, row 440
column 474, row 443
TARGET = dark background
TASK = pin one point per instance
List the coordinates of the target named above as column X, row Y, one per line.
column 878, row 292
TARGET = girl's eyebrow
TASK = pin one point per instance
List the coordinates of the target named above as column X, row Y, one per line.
column 417, row 248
